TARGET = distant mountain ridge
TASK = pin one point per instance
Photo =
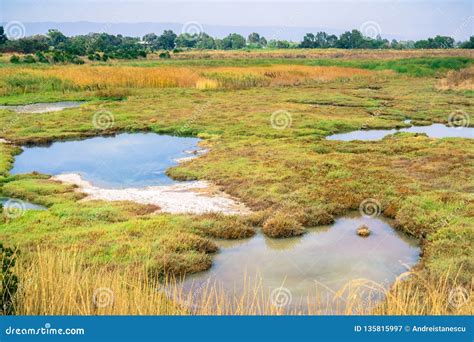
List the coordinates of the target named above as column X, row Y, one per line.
column 140, row 29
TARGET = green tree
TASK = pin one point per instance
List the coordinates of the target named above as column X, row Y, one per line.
column 186, row 40
column 3, row 36
column 309, row 41
column 351, row 40
column 57, row 39
column 254, row 40
column 205, row 41
column 443, row 42
column 151, row 40
column 167, row 40
column 468, row 44
column 233, row 41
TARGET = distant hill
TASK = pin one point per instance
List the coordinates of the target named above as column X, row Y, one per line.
column 140, row 29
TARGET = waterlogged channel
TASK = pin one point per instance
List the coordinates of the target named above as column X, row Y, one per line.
column 43, row 107
column 309, row 270
column 433, row 131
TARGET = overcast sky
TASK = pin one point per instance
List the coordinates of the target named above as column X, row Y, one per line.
column 401, row 18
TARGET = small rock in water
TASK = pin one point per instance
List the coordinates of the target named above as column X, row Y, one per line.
column 363, row 231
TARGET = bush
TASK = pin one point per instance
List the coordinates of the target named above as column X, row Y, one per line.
column 312, row 216
column 41, row 57
column 8, row 280
column 282, row 225
column 29, row 59
column 165, row 54
column 76, row 60
column 185, row 242
column 178, row 264
column 14, row 59
column 225, row 226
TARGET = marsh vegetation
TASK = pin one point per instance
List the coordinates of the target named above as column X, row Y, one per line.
column 264, row 121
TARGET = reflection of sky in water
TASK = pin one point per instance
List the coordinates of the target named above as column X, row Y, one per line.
column 126, row 160
column 321, row 261
column 433, row 131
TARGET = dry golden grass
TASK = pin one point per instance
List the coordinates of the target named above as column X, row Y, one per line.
column 99, row 77
column 458, row 80
column 55, row 283
column 318, row 53
column 91, row 77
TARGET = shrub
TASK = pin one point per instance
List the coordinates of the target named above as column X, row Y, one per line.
column 258, row 218
column 29, row 59
column 8, row 280
column 178, row 264
column 165, row 54
column 14, row 59
column 41, row 57
column 185, row 242
column 76, row 60
column 282, row 225
column 225, row 226
column 312, row 216
column 58, row 57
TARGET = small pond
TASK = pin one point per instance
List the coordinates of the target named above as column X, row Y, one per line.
column 433, row 131
column 20, row 204
column 121, row 161
column 43, row 107
column 321, row 261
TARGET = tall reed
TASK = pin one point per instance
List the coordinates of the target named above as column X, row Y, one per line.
column 60, row 283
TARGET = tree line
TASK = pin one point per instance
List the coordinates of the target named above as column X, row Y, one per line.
column 55, row 47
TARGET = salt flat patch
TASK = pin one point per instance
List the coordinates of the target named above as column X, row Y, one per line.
column 196, row 197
